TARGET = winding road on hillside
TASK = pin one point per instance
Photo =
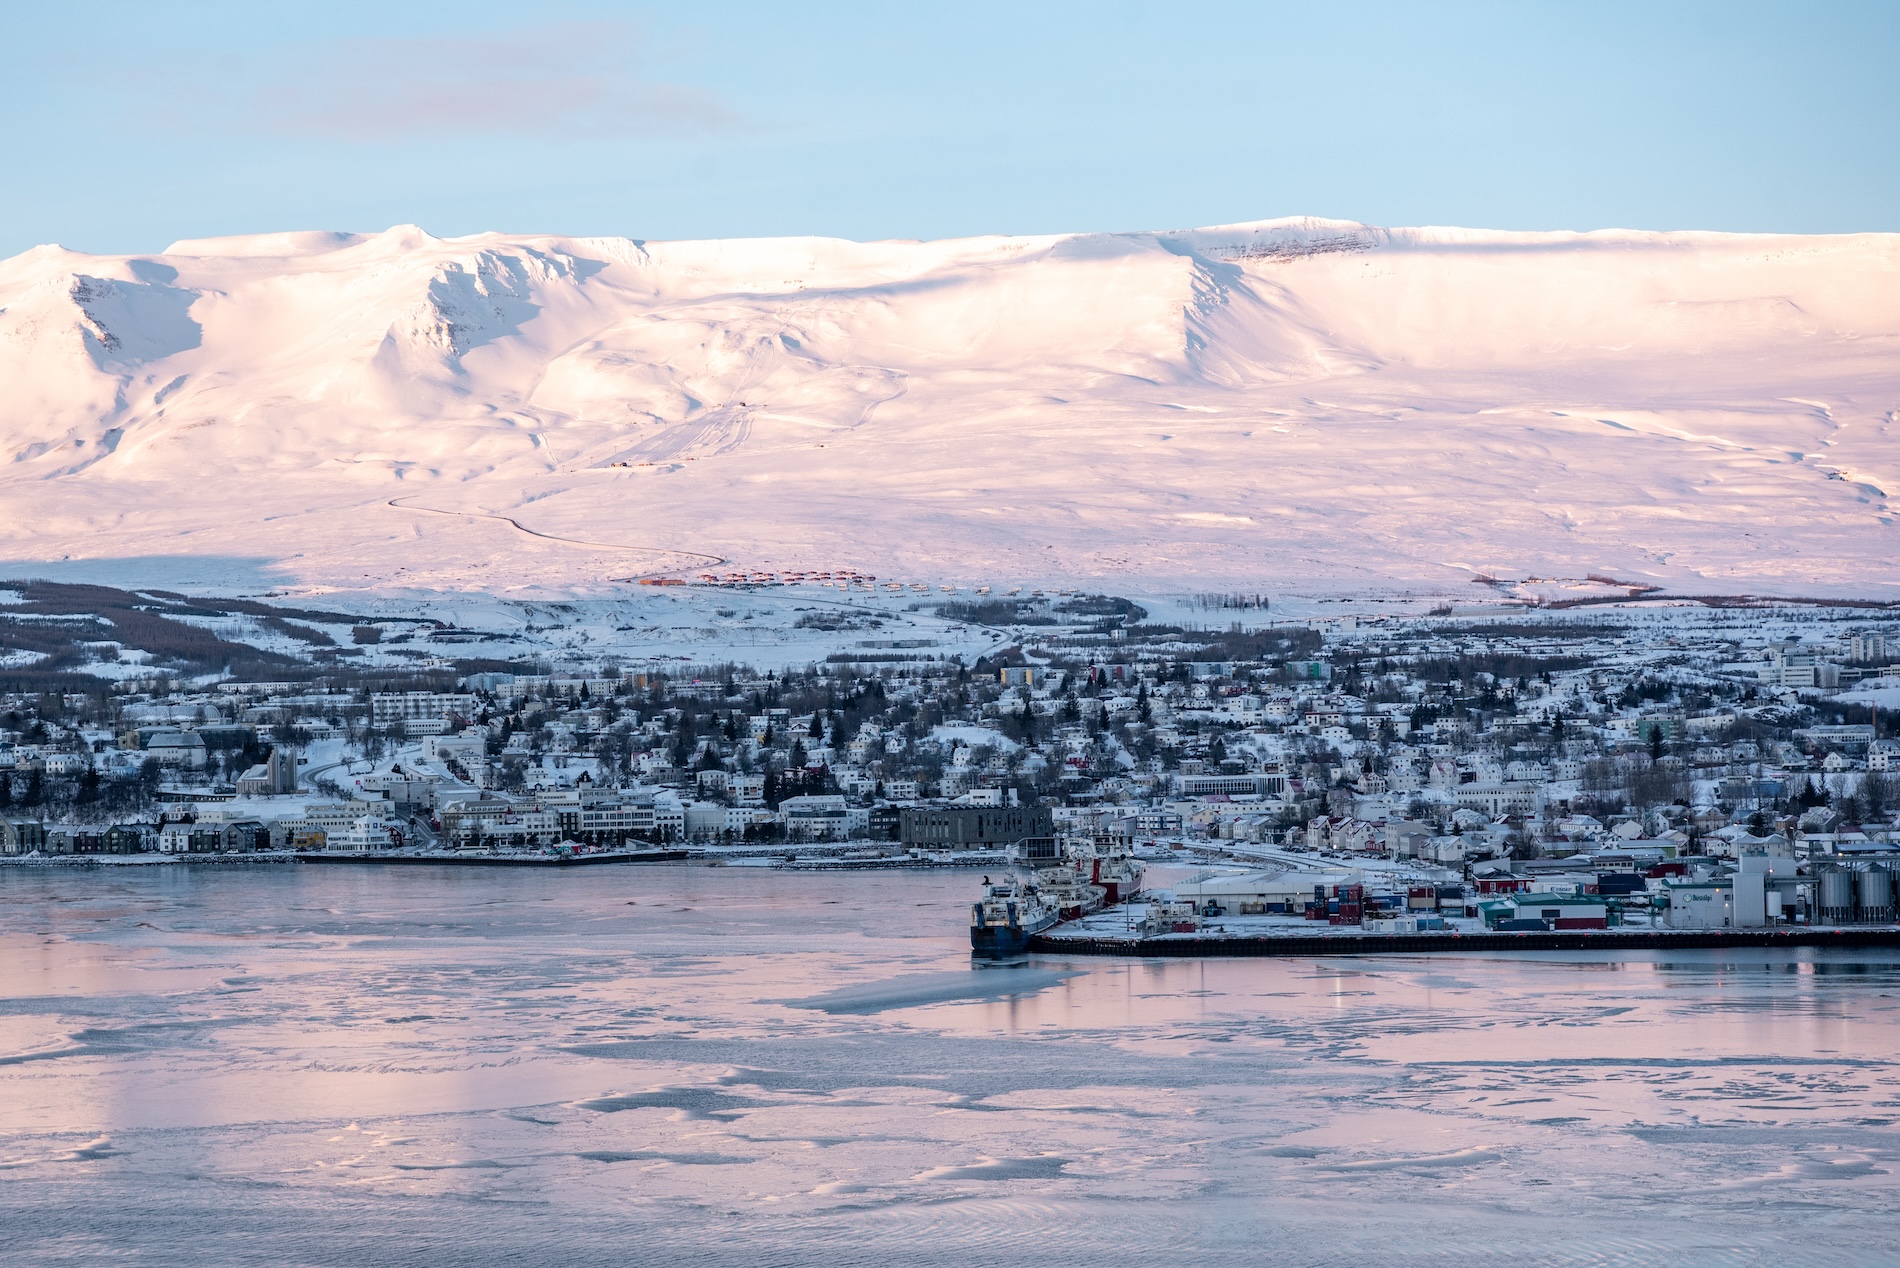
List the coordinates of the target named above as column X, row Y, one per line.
column 711, row 561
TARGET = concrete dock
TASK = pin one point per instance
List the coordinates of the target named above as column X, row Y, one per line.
column 1197, row 945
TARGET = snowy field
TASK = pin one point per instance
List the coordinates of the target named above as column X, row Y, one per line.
column 1316, row 406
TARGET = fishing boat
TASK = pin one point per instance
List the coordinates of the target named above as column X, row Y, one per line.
column 1070, row 879
column 1064, row 888
column 1007, row 916
column 1111, row 864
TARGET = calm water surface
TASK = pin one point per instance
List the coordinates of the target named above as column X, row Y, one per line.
column 305, row 1065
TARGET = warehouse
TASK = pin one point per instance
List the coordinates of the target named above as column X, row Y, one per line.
column 1261, row 893
column 1554, row 911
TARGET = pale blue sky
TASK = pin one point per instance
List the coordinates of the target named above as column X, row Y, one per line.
column 131, row 124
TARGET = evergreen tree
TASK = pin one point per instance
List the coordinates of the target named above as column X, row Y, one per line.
column 6, row 789
column 1655, row 741
column 88, row 786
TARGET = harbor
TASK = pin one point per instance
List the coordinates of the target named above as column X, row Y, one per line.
column 1076, row 896
column 1289, row 939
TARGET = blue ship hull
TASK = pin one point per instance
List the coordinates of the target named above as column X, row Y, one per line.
column 1010, row 932
column 998, row 940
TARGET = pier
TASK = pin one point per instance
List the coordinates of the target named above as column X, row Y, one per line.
column 1200, row 945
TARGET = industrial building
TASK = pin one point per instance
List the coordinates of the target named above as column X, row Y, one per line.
column 1550, row 911
column 957, row 827
column 1700, row 904
column 1261, row 893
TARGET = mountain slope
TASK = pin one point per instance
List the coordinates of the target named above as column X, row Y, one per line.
column 1307, row 403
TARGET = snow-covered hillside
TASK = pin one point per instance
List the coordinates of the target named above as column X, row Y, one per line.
column 1308, row 404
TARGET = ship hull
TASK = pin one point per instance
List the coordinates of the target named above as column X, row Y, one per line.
column 993, row 941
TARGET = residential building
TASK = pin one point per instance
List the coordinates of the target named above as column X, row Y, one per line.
column 420, row 712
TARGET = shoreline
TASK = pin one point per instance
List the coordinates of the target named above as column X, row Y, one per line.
column 498, row 860
column 146, row 859
column 288, row 856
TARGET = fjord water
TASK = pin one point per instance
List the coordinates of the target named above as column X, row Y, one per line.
column 303, row 1065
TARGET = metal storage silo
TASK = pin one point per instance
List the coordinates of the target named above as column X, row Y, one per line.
column 1834, row 896
column 1875, row 893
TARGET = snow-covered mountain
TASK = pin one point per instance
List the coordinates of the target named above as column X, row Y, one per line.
column 1302, row 403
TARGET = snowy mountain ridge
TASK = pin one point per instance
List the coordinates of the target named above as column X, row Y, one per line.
column 1298, row 402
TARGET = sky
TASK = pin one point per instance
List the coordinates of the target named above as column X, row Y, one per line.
column 133, row 123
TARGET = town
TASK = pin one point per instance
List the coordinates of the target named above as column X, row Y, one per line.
column 1702, row 764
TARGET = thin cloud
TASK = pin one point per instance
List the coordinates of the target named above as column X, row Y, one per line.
column 570, row 80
